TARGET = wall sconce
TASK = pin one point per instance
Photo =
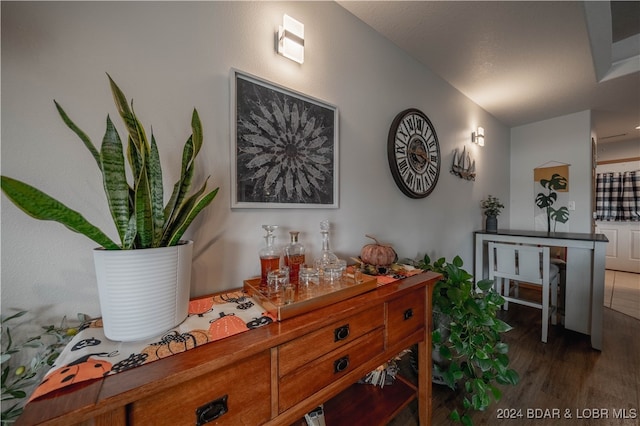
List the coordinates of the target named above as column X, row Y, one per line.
column 291, row 39
column 478, row 136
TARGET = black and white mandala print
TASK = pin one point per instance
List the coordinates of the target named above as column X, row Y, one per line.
column 285, row 147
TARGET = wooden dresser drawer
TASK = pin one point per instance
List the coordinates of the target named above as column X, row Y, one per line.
column 316, row 375
column 301, row 351
column 405, row 315
column 245, row 384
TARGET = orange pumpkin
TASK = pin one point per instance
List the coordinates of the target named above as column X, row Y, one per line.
column 378, row 254
column 174, row 343
column 225, row 326
column 84, row 368
column 201, row 306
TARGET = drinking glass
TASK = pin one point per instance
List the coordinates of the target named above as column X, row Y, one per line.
column 277, row 281
column 332, row 274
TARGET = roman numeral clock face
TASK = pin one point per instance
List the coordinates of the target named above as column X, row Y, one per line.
column 414, row 153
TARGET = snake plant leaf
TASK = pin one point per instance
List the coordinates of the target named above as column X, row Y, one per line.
column 182, row 186
column 189, row 154
column 135, row 129
column 41, row 206
column 132, row 231
column 115, row 180
column 157, row 192
column 82, row 135
column 144, row 222
column 135, row 159
column 190, row 215
column 196, row 129
column 173, row 226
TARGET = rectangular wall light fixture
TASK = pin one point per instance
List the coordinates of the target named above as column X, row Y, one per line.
column 478, row 136
column 291, row 39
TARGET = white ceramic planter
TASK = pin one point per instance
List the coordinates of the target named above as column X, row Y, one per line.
column 143, row 293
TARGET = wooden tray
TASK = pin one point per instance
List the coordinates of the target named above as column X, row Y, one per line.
column 304, row 302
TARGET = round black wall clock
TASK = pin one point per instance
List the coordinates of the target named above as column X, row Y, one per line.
column 414, row 153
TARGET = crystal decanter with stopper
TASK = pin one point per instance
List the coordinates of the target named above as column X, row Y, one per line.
column 269, row 254
column 294, row 257
column 326, row 256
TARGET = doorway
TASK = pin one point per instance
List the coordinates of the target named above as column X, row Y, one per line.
column 623, row 250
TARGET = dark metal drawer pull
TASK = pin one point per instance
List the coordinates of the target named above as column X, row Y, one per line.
column 211, row 411
column 341, row 333
column 408, row 314
column 341, row 364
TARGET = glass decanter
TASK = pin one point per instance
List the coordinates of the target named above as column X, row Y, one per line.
column 294, row 257
column 326, row 256
column 269, row 254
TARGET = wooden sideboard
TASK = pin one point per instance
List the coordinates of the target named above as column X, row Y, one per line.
column 272, row 375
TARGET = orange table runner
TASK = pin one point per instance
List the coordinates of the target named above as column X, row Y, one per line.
column 399, row 274
column 90, row 355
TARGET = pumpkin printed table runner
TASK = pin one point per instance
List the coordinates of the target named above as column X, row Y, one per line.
column 395, row 273
column 90, row 355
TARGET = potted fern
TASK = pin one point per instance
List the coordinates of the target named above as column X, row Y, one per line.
column 157, row 263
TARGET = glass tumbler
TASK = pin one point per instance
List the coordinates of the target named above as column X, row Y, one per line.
column 277, row 283
column 332, row 274
column 309, row 280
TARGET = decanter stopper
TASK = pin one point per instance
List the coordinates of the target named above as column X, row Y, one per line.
column 269, row 254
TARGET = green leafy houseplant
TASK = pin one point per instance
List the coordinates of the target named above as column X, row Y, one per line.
column 545, row 201
column 19, row 380
column 137, row 209
column 467, row 338
column 491, row 206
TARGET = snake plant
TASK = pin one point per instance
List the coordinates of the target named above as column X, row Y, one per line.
column 137, row 209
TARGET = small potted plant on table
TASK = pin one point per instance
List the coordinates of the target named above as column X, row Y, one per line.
column 491, row 208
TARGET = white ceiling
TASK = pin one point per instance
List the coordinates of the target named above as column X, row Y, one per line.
column 521, row 61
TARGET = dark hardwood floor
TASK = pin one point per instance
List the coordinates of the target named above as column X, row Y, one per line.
column 595, row 388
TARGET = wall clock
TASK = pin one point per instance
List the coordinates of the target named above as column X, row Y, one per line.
column 414, row 153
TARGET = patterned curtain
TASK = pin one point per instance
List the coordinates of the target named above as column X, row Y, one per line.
column 618, row 196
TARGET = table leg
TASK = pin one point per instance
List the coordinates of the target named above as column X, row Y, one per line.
column 597, row 295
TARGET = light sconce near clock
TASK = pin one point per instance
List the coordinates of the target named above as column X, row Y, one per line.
column 478, row 136
column 291, row 39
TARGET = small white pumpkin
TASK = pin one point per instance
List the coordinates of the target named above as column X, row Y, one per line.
column 378, row 254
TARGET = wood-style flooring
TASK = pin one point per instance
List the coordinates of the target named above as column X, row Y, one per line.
column 565, row 376
column 622, row 292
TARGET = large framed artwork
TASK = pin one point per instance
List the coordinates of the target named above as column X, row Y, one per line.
column 284, row 147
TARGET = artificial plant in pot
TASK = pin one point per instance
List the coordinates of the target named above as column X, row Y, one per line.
column 150, row 231
column 466, row 337
column 491, row 207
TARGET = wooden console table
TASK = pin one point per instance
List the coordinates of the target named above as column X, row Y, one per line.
column 584, row 295
column 272, row 375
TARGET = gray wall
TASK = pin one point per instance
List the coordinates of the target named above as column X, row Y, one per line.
column 173, row 56
column 619, row 150
column 560, row 140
